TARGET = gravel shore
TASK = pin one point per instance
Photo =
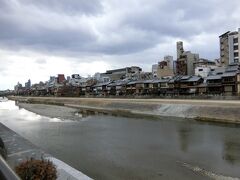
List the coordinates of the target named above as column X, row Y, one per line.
column 52, row 111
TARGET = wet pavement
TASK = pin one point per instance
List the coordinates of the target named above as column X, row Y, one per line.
column 107, row 147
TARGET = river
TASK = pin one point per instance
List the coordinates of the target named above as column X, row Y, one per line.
column 109, row 147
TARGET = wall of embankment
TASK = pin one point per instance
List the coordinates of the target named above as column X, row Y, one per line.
column 224, row 111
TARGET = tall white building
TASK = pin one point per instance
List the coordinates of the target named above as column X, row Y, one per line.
column 229, row 47
column 234, row 49
column 154, row 70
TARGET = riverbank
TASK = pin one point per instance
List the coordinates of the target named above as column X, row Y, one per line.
column 224, row 111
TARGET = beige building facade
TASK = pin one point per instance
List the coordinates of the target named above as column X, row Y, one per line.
column 163, row 68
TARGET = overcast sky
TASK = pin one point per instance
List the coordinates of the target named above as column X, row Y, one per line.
column 39, row 38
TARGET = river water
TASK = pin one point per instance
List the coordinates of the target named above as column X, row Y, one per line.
column 108, row 147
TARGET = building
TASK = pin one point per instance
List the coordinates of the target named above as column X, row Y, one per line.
column 163, row 68
column 226, row 81
column 100, row 89
column 203, row 67
column 76, row 80
column 123, row 73
column 160, row 86
column 117, row 88
column 189, row 84
column 214, row 84
column 61, row 78
column 185, row 61
column 28, row 84
column 224, row 49
column 18, row 87
column 154, row 70
column 202, row 71
column 229, row 47
column 101, row 77
column 234, row 49
column 52, row 81
column 169, row 59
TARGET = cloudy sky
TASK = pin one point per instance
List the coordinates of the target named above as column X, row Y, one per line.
column 39, row 38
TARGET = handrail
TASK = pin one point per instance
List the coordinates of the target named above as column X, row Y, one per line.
column 6, row 173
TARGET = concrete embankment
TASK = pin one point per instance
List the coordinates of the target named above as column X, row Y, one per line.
column 225, row 111
column 19, row 149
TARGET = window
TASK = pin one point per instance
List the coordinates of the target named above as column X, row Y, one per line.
column 236, row 60
column 200, row 70
column 235, row 40
column 236, row 54
column 235, row 47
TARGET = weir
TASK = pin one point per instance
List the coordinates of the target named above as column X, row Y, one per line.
column 201, row 110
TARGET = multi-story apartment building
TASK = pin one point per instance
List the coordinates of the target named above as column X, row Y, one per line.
column 185, row 61
column 229, row 47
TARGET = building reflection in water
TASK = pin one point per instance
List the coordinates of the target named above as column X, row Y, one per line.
column 231, row 152
column 184, row 132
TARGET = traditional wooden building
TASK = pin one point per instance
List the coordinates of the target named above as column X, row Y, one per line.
column 100, row 89
column 174, row 85
column 229, row 84
column 160, row 86
column 214, row 84
column 147, row 87
column 131, row 88
column 88, row 87
column 117, row 88
column 188, row 84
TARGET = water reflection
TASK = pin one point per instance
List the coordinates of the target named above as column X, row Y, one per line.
column 231, row 152
column 9, row 110
column 184, row 133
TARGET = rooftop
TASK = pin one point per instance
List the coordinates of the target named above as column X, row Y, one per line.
column 190, row 78
column 214, row 77
column 229, row 74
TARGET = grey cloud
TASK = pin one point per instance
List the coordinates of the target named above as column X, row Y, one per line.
column 41, row 61
column 131, row 43
column 181, row 19
column 146, row 25
column 5, row 63
column 14, row 36
column 2, row 70
column 89, row 7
